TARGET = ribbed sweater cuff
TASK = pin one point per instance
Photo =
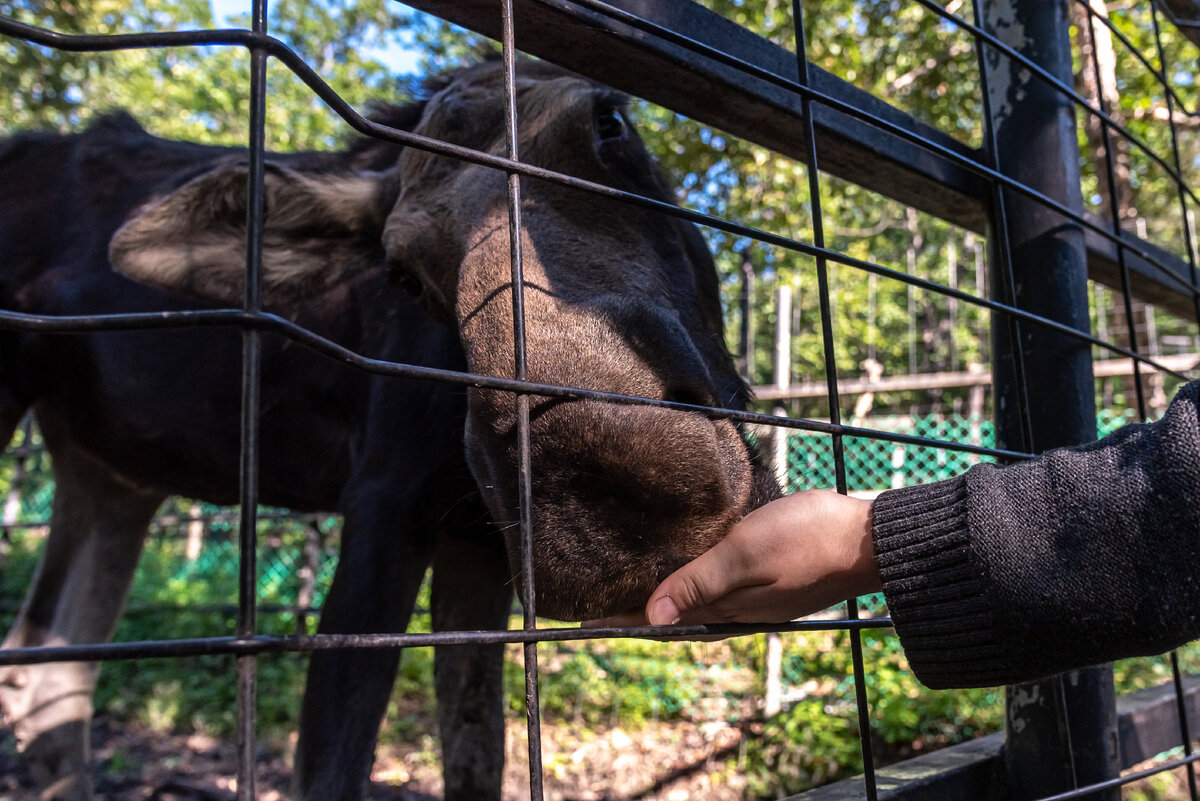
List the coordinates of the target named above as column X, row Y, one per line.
column 932, row 583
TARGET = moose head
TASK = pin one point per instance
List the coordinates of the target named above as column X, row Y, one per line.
column 617, row 298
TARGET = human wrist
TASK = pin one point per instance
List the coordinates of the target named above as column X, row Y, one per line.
column 847, row 568
column 866, row 565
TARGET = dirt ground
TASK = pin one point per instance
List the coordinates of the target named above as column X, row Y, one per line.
column 665, row 762
column 662, row 762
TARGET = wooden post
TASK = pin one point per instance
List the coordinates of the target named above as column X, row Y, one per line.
column 746, row 300
column 195, row 536
column 1191, row 224
column 975, row 409
column 782, row 378
column 309, row 565
column 897, row 466
column 773, row 691
column 952, row 302
column 773, row 681
column 12, row 503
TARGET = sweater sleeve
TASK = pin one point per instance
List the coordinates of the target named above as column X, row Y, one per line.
column 1081, row 556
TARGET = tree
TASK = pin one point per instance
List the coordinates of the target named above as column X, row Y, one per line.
column 199, row 93
column 924, row 65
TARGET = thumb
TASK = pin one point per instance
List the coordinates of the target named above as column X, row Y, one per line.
column 685, row 594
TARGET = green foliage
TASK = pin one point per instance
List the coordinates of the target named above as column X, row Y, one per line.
column 1138, row 102
column 1142, row 672
column 885, row 48
column 596, row 685
column 813, row 743
column 630, row 682
column 816, row 739
column 199, row 93
column 199, row 693
column 176, row 596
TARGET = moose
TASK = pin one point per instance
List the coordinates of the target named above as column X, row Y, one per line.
column 398, row 254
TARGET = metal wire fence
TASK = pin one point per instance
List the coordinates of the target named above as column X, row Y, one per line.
column 1021, row 197
column 298, row 554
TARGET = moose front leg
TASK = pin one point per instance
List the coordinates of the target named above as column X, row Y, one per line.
column 472, row 590
column 346, row 694
column 97, row 529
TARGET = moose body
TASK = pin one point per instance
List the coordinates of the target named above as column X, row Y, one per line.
column 619, row 299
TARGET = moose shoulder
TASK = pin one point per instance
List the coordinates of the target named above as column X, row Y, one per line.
column 618, row 298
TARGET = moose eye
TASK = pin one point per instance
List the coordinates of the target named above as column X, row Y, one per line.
column 397, row 274
column 610, row 125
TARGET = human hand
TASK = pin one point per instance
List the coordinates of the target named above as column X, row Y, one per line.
column 792, row 557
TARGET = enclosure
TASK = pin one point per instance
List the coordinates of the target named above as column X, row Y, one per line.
column 947, row 233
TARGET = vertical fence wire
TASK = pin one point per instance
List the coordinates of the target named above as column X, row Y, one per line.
column 1163, row 76
column 1114, row 209
column 1002, row 250
column 1114, row 199
column 1063, row 711
column 251, row 395
column 831, row 379
column 1104, row 116
column 524, row 468
column 1115, row 213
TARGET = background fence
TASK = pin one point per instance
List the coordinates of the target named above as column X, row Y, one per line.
column 1045, row 215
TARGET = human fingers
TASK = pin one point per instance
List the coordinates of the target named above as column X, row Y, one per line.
column 695, row 592
column 689, row 589
column 789, row 558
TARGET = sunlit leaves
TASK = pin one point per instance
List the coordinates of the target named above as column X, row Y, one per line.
column 199, row 93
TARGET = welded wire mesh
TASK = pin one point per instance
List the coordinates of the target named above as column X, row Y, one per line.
column 855, row 456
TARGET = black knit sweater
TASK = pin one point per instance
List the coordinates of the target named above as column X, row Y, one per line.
column 1084, row 555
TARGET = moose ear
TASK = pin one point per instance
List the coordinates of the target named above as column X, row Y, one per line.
column 319, row 229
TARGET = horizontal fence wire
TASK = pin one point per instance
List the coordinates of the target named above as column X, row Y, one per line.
column 263, row 644
column 370, row 128
column 1091, row 790
column 255, row 322
column 959, row 159
column 19, row 321
column 872, row 465
column 265, row 321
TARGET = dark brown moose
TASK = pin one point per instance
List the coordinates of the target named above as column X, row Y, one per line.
column 618, row 298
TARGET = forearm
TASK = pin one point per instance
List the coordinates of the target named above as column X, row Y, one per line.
column 1080, row 556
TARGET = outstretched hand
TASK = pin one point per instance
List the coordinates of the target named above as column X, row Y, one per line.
column 790, row 558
